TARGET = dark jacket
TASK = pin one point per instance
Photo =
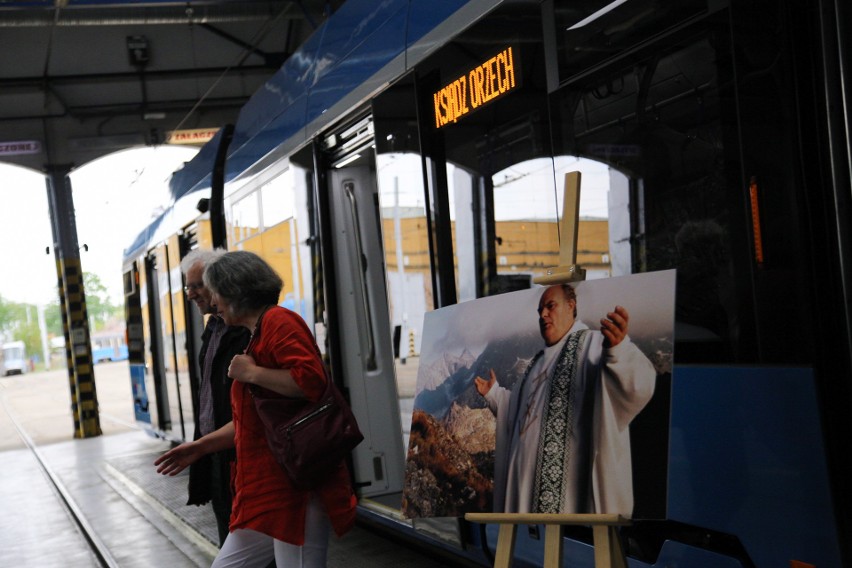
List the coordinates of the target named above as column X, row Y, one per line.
column 233, row 342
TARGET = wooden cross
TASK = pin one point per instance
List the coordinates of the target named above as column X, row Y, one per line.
column 567, row 271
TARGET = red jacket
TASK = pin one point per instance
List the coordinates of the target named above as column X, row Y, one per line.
column 264, row 498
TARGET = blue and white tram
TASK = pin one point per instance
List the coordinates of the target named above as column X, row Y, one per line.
column 409, row 156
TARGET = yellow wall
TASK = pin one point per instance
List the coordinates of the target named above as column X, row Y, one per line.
column 526, row 246
column 531, row 246
column 275, row 246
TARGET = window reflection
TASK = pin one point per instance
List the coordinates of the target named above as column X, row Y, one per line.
column 406, row 245
column 528, row 206
column 659, row 121
column 408, row 269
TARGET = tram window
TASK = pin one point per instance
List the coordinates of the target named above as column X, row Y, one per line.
column 527, row 211
column 406, row 246
column 588, row 31
column 483, row 148
column 276, row 198
column 271, row 219
column 658, row 121
column 460, row 188
column 245, row 217
column 654, row 134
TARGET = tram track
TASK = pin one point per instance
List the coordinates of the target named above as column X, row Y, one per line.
column 96, row 546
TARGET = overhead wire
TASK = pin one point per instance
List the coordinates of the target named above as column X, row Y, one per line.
column 241, row 56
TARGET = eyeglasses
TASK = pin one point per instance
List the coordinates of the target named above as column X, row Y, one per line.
column 190, row 287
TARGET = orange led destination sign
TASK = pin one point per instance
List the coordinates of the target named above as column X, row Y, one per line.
column 480, row 85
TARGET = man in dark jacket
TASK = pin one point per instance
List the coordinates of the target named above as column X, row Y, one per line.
column 210, row 477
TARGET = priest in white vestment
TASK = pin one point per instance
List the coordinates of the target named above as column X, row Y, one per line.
column 563, row 439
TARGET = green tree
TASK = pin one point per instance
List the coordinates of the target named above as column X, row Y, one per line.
column 98, row 305
column 6, row 316
column 53, row 318
column 12, row 317
column 19, row 322
column 30, row 334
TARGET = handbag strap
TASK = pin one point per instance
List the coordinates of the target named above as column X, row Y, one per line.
column 255, row 334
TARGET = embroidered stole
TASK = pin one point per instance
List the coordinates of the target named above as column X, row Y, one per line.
column 554, row 451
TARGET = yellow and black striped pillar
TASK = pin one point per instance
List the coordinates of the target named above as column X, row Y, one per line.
column 81, row 351
column 72, row 379
column 78, row 349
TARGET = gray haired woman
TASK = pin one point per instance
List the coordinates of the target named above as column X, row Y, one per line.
column 270, row 517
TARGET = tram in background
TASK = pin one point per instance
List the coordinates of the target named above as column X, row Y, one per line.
column 13, row 360
column 409, row 156
column 109, row 345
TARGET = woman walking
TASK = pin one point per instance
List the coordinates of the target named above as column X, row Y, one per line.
column 270, row 517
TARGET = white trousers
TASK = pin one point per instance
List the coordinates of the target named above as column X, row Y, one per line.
column 246, row 548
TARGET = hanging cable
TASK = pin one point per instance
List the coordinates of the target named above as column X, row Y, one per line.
column 255, row 40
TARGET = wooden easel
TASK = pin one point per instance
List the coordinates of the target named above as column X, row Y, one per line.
column 608, row 550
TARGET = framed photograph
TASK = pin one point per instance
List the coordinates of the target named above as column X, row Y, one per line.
column 553, row 399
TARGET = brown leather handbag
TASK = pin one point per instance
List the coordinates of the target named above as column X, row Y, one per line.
column 310, row 440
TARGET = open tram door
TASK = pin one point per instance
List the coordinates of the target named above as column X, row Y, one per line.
column 360, row 334
column 379, row 283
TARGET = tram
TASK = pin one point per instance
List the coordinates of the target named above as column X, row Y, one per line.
column 410, row 156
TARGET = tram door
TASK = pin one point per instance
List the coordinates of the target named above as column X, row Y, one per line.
column 363, row 324
column 155, row 380
column 171, row 385
column 193, row 321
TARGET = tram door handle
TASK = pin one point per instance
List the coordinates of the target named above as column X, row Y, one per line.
column 349, row 189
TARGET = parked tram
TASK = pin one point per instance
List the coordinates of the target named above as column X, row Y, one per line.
column 13, row 360
column 411, row 156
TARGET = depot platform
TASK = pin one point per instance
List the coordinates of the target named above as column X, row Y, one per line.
column 119, row 505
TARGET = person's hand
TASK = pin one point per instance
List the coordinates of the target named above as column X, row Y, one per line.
column 178, row 459
column 483, row 385
column 241, row 368
column 614, row 327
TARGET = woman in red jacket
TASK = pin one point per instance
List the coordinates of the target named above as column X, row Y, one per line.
column 270, row 517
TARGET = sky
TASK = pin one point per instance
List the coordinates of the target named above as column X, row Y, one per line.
column 114, row 198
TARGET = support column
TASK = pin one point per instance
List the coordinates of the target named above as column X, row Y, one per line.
column 72, row 303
